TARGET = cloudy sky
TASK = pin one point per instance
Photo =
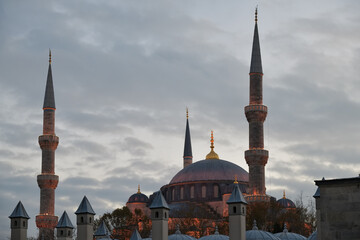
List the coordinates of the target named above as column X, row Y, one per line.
column 125, row 71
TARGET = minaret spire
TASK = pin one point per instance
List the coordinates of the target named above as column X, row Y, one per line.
column 187, row 146
column 256, row 157
column 47, row 180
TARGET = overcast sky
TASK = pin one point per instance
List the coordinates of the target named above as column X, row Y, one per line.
column 125, row 71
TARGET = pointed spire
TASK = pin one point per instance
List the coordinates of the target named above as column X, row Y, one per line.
column 64, row 221
column 19, row 212
column 256, row 66
column 85, row 207
column 187, row 145
column 138, row 192
column 159, row 201
column 236, row 181
column 212, row 154
column 49, row 99
column 135, row 235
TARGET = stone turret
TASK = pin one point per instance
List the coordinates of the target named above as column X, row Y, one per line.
column 64, row 228
column 188, row 157
column 256, row 157
column 85, row 220
column 19, row 222
column 159, row 217
column 47, row 180
column 237, row 214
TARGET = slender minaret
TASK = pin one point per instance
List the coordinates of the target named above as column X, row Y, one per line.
column 256, row 157
column 47, row 180
column 19, row 222
column 237, row 214
column 159, row 217
column 187, row 146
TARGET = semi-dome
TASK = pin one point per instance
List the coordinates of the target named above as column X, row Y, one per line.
column 256, row 234
column 285, row 202
column 210, row 170
column 286, row 235
column 138, row 197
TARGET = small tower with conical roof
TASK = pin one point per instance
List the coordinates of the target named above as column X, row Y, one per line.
column 19, row 222
column 135, row 235
column 47, row 180
column 85, row 220
column 159, row 217
column 64, row 228
column 102, row 232
column 237, row 214
column 256, row 157
column 188, row 157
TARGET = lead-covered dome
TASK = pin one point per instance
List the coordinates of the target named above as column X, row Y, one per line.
column 286, row 235
column 285, row 202
column 256, row 234
column 210, row 170
column 138, row 197
column 215, row 236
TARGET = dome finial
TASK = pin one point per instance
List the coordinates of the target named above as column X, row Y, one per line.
column 236, row 181
column 138, row 189
column 177, row 229
column 284, row 196
column 187, row 113
column 49, row 56
column 254, row 225
column 216, row 230
column 212, row 154
column 285, row 228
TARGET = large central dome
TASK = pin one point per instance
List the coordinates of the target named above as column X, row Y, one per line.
column 210, row 170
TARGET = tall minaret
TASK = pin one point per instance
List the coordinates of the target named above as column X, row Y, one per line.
column 46, row 220
column 256, row 157
column 187, row 146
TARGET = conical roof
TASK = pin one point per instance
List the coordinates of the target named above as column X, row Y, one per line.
column 85, row 207
column 135, row 235
column 64, row 221
column 236, row 196
column 102, row 230
column 256, row 66
column 159, row 201
column 19, row 212
column 49, row 99
column 187, row 145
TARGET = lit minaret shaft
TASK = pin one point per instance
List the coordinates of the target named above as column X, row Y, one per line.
column 46, row 220
column 256, row 157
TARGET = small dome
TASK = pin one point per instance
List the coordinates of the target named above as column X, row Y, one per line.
column 256, row 234
column 215, row 236
column 178, row 236
column 313, row 236
column 286, row 235
column 210, row 169
column 138, row 197
column 285, row 202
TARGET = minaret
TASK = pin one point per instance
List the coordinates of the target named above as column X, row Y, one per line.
column 159, row 217
column 19, row 222
column 47, row 180
column 256, row 157
column 187, row 146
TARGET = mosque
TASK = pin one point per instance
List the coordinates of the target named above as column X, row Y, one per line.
column 213, row 183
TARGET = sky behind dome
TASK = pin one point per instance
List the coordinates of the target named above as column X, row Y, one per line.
column 125, row 71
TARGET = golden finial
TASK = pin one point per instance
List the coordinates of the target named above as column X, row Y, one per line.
column 256, row 13
column 236, row 181
column 284, row 197
column 212, row 154
column 187, row 113
column 49, row 56
column 138, row 189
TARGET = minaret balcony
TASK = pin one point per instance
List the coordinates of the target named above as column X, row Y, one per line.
column 48, row 141
column 256, row 156
column 255, row 107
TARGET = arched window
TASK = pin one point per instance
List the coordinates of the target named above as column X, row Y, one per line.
column 69, row 233
column 182, row 193
column 165, row 215
column 24, row 224
column 82, row 219
column 243, row 210
column 234, row 209
column 216, row 191
column 15, row 223
column 156, row 214
column 61, row 232
column 89, row 219
column 203, row 191
column 173, row 194
column 192, row 192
